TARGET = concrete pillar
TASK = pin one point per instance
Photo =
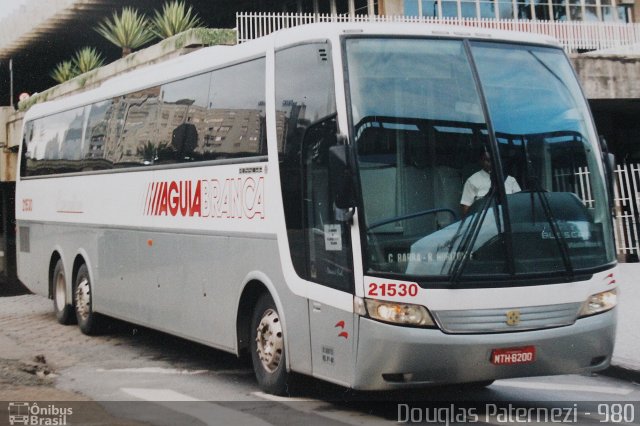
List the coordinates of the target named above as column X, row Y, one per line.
column 608, row 76
column 392, row 7
column 371, row 7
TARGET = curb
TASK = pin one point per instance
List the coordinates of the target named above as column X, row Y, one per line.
column 622, row 372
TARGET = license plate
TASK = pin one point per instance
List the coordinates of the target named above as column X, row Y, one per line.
column 511, row 356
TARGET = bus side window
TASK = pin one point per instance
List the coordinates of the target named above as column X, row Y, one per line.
column 93, row 147
column 183, row 117
column 27, row 150
column 139, row 128
column 237, row 111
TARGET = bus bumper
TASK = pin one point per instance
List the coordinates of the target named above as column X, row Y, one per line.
column 393, row 357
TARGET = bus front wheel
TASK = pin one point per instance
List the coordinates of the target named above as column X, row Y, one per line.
column 63, row 310
column 83, row 301
column 267, row 347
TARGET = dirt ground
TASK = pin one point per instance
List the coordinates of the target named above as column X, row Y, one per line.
column 33, row 381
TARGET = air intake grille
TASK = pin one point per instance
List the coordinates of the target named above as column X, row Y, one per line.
column 507, row 319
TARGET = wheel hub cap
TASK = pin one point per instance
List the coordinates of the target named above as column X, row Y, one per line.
column 269, row 340
column 60, row 292
column 83, row 299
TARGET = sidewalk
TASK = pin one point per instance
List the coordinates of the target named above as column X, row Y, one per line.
column 626, row 355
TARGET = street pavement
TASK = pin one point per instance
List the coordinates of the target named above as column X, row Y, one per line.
column 29, row 359
column 27, row 328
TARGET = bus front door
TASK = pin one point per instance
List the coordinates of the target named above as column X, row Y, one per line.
column 329, row 262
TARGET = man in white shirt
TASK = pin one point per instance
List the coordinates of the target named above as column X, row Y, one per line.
column 479, row 183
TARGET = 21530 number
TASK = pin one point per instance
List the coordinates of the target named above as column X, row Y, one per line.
column 393, row 289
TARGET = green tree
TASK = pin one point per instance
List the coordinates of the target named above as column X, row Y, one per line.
column 86, row 59
column 127, row 30
column 174, row 18
column 64, row 71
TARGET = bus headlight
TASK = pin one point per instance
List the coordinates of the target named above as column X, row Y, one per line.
column 399, row 313
column 600, row 302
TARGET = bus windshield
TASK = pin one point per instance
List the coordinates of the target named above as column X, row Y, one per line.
column 475, row 160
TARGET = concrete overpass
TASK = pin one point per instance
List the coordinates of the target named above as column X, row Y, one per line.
column 40, row 34
column 611, row 81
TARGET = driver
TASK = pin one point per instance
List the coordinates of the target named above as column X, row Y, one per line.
column 479, row 184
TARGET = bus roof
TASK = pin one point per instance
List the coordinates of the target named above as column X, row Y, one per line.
column 332, row 30
column 211, row 57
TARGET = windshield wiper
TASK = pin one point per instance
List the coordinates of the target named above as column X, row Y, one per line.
column 535, row 186
column 471, row 235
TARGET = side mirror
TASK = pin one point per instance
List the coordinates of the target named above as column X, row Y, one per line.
column 341, row 176
column 611, row 179
column 609, row 161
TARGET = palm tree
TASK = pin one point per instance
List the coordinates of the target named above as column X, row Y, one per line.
column 174, row 18
column 64, row 71
column 129, row 30
column 86, row 59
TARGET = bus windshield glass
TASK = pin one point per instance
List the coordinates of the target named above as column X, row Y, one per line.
column 475, row 160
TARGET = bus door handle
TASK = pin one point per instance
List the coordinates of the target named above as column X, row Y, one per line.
column 317, row 307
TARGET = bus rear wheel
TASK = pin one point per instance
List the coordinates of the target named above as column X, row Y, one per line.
column 88, row 321
column 63, row 310
column 267, row 347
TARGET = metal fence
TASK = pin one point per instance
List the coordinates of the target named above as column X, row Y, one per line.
column 627, row 202
column 573, row 35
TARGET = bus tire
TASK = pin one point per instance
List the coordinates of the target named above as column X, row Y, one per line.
column 267, row 347
column 64, row 311
column 88, row 321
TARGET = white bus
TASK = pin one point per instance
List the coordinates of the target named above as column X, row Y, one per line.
column 298, row 198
